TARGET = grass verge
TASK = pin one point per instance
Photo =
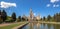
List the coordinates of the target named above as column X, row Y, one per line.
column 12, row 25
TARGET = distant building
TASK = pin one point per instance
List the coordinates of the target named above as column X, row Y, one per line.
column 25, row 17
column 31, row 17
column 38, row 17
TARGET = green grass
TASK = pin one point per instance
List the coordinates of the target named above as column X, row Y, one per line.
column 11, row 26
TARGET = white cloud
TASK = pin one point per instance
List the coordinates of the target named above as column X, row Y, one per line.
column 53, row 1
column 55, row 5
column 48, row 5
column 7, row 4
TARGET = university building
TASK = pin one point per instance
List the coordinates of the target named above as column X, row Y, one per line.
column 31, row 17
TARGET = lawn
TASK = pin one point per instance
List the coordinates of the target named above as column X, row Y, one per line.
column 12, row 25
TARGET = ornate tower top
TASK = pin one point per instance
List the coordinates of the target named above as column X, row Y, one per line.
column 30, row 10
column 31, row 14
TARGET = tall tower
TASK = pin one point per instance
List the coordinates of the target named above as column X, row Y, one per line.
column 31, row 14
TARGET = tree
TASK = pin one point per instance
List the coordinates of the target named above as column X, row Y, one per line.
column 44, row 18
column 0, row 12
column 23, row 19
column 19, row 19
column 57, row 17
column 13, row 17
column 3, row 15
column 0, row 17
column 41, row 19
column 48, row 17
column 54, row 17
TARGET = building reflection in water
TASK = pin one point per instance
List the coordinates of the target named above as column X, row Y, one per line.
column 31, row 25
column 38, row 25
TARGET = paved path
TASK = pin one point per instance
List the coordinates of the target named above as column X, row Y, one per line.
column 6, row 24
column 1, row 25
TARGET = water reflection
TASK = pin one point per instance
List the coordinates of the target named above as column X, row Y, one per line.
column 38, row 26
column 56, row 26
column 41, row 26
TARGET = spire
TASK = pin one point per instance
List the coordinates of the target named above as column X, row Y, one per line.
column 30, row 9
column 31, row 14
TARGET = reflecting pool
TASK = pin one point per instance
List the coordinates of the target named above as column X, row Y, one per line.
column 41, row 26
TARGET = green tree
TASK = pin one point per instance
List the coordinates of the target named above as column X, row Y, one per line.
column 4, row 15
column 13, row 17
column 23, row 19
column 48, row 17
column 44, row 18
column 57, row 17
column 0, row 17
column 41, row 19
column 54, row 17
column 0, row 12
column 19, row 19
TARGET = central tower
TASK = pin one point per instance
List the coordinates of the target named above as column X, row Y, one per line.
column 31, row 15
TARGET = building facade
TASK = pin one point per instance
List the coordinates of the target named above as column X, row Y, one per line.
column 31, row 17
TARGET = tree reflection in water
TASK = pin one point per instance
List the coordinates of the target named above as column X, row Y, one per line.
column 57, row 26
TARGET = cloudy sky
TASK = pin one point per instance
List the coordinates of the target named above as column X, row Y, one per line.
column 20, row 7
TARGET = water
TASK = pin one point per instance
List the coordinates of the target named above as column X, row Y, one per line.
column 41, row 26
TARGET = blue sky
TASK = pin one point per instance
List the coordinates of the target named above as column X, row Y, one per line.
column 44, row 7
